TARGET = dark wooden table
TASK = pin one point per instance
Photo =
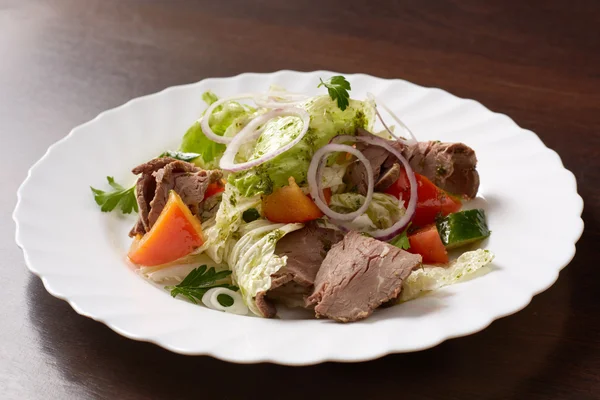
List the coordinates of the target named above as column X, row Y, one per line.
column 64, row 61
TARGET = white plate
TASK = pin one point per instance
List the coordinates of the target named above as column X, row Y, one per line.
column 530, row 198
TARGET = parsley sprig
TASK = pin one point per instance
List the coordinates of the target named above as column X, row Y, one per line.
column 197, row 283
column 337, row 87
column 124, row 198
column 401, row 241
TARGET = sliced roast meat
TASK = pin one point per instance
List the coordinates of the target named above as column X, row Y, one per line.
column 305, row 250
column 358, row 275
column 356, row 174
column 187, row 180
column 450, row 166
column 153, row 165
column 210, row 207
column 291, row 294
column 265, row 304
column 161, row 175
column 144, row 193
column 390, row 176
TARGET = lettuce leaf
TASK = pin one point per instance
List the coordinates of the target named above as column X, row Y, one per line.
column 252, row 259
column 383, row 211
column 326, row 121
column 431, row 277
column 227, row 120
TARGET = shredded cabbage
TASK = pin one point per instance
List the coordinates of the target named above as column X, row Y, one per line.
column 333, row 176
column 382, row 213
column 431, row 277
column 252, row 259
column 174, row 274
column 220, row 232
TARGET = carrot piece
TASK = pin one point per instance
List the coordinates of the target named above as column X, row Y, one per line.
column 289, row 204
column 175, row 234
column 428, row 244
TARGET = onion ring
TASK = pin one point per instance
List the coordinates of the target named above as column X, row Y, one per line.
column 208, row 132
column 210, row 300
column 314, row 181
column 394, row 230
column 250, row 132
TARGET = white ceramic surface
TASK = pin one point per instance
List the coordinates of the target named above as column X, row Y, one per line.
column 79, row 252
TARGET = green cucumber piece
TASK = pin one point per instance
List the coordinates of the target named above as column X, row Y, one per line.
column 462, row 228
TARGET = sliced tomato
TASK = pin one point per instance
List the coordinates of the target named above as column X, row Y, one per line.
column 175, row 234
column 214, row 188
column 428, row 244
column 432, row 201
column 289, row 204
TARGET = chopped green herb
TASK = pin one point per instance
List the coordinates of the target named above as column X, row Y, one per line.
column 401, row 241
column 225, row 300
column 337, row 87
column 198, row 282
column 250, row 215
column 180, row 155
column 275, row 235
column 360, row 119
column 124, row 198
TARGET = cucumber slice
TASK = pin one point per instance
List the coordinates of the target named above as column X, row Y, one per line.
column 461, row 228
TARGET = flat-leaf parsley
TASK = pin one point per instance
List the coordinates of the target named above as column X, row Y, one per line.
column 124, row 198
column 197, row 283
column 337, row 87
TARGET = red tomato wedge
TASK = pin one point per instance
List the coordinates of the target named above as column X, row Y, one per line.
column 214, row 188
column 289, row 204
column 175, row 234
column 428, row 244
column 432, row 201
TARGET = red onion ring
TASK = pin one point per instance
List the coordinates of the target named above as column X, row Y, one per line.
column 412, row 140
column 250, row 132
column 208, row 132
column 315, row 175
column 398, row 227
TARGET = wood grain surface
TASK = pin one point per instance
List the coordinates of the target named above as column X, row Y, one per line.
column 64, row 61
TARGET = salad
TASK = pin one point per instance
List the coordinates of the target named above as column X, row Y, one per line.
column 282, row 199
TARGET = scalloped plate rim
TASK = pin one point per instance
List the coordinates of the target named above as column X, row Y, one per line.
column 391, row 349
